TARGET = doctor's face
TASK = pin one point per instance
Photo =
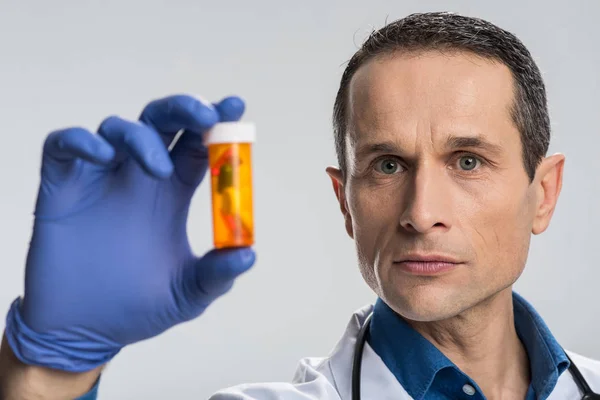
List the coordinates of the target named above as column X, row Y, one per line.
column 436, row 195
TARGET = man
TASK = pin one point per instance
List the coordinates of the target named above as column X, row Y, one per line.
column 441, row 131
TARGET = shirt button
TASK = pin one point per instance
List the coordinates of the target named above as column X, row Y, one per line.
column 469, row 390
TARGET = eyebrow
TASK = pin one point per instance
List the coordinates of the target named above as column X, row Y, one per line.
column 474, row 142
column 376, row 148
column 452, row 143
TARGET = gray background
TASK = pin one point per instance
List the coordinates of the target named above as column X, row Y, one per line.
column 74, row 62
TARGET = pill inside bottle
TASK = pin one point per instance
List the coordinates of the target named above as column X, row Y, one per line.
column 230, row 166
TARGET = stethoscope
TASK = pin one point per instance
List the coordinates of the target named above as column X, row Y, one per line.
column 582, row 384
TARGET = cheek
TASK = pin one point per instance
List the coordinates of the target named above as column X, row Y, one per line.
column 501, row 230
column 373, row 211
column 374, row 220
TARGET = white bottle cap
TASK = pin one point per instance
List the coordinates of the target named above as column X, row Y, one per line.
column 231, row 132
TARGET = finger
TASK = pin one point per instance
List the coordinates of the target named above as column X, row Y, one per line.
column 190, row 155
column 140, row 142
column 171, row 114
column 72, row 143
column 230, row 109
column 213, row 275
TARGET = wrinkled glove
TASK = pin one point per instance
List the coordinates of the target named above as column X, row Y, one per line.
column 109, row 262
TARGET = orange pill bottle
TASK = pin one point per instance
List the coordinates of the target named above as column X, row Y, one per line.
column 230, row 167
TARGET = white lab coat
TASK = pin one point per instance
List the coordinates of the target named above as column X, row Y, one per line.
column 330, row 378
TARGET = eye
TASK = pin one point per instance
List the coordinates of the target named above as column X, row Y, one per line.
column 468, row 162
column 387, row 166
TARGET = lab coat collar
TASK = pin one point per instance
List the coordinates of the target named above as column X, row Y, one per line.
column 381, row 383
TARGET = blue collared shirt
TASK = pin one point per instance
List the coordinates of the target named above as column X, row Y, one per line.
column 426, row 373
column 92, row 394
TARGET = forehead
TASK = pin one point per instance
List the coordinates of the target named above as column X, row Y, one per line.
column 430, row 96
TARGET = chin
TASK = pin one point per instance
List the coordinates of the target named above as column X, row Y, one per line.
column 420, row 312
column 425, row 302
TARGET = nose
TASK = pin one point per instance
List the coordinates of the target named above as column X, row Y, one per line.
column 427, row 202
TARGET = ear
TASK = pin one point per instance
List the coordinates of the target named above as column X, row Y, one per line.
column 337, row 179
column 548, row 179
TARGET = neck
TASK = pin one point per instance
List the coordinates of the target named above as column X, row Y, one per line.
column 483, row 343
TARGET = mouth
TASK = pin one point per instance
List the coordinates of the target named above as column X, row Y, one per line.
column 427, row 265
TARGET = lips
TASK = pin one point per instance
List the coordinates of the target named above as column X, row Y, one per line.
column 427, row 264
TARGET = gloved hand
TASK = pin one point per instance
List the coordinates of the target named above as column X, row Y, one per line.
column 109, row 263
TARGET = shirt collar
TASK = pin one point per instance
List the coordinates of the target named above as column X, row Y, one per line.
column 416, row 362
column 547, row 358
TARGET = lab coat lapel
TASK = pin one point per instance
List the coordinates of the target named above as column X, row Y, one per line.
column 377, row 381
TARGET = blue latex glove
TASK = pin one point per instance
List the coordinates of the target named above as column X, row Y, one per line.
column 109, row 262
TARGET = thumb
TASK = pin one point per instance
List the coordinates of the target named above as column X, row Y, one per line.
column 212, row 275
